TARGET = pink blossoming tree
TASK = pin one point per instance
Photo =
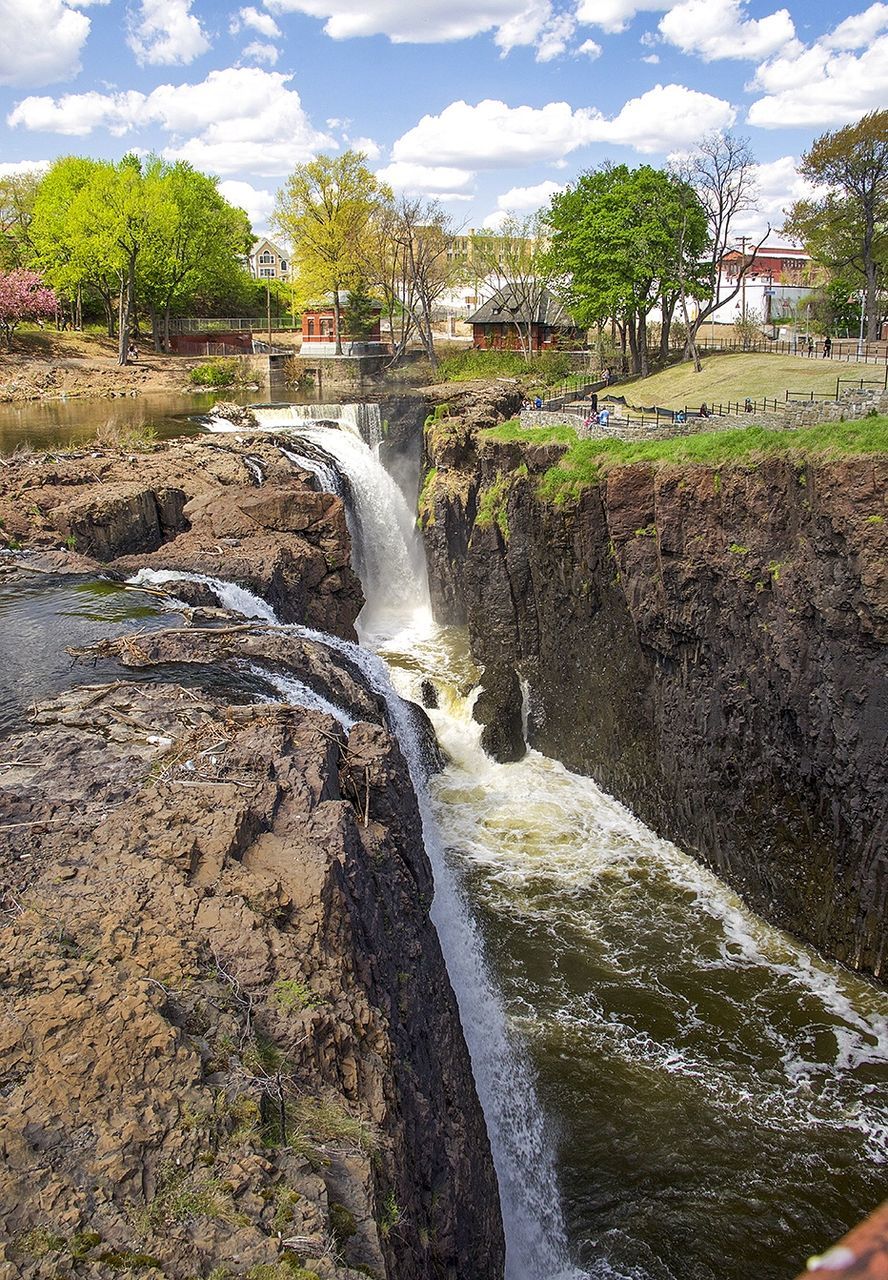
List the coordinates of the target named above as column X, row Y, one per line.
column 23, row 296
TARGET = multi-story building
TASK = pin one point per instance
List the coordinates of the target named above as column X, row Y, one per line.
column 268, row 261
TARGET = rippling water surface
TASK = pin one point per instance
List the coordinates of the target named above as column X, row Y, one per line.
column 716, row 1090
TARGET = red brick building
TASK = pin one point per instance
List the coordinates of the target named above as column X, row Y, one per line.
column 494, row 326
column 319, row 331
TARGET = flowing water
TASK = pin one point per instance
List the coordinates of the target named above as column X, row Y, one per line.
column 674, row 1089
column 710, row 1092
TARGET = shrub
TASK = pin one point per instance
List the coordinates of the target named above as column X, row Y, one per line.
column 224, row 371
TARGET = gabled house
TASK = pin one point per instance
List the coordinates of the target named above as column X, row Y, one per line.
column 268, row 261
column 494, row 323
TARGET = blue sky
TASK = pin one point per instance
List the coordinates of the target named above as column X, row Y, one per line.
column 489, row 105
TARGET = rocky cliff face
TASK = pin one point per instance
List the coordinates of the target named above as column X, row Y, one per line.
column 708, row 644
column 228, row 1041
column 230, row 508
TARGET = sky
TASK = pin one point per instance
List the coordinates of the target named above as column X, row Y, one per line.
column 488, row 105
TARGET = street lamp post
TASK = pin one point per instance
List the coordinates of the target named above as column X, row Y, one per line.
column 860, row 335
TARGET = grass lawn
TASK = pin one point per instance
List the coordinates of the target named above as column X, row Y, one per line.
column 736, row 376
column 585, row 461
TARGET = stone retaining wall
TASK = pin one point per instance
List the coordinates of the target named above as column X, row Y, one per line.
column 853, row 405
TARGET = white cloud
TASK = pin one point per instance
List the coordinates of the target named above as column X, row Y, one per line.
column 778, row 184
column 513, row 22
column 555, row 37
column 590, row 48
column 615, row 15
column 14, row 168
column 492, row 135
column 42, row 48
column 720, row 29
column 528, row 199
column 826, row 83
column 406, row 176
column 256, row 203
column 259, row 51
column 370, row 148
column 243, row 120
column 859, row 30
column 652, row 58
column 495, row 221
column 264, row 23
column 667, row 116
column 166, row 32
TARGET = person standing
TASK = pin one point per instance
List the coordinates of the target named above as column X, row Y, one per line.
column 827, row 347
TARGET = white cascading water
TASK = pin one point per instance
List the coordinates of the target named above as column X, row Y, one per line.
column 396, row 590
column 651, row 968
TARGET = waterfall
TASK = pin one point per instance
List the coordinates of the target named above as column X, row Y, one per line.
column 229, row 594
column 396, row 588
column 364, row 419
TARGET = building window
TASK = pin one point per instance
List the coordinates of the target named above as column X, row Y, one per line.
column 283, row 265
column 266, row 257
column 266, row 271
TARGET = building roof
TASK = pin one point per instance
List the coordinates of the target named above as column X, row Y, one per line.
column 504, row 308
column 326, row 303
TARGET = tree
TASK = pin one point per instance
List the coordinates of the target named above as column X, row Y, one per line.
column 197, row 246
column 326, row 210
column 411, row 265
column 17, row 195
column 721, row 172
column 65, row 247
column 624, row 239
column 848, row 227
column 516, row 256
column 23, row 296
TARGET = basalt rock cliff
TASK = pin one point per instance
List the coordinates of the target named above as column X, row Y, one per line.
column 228, row 1042
column 230, row 508
column 707, row 643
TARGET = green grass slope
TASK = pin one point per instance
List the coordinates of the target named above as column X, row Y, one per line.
column 736, row 376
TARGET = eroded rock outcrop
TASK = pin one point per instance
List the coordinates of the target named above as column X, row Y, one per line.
column 236, row 509
column 228, row 1042
column 708, row 643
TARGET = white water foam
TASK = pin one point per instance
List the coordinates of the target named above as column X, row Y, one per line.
column 230, row 595
column 297, row 694
column 522, row 1151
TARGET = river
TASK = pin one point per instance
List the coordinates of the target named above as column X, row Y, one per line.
column 675, row 1090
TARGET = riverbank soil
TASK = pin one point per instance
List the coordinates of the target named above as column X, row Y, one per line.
column 46, row 364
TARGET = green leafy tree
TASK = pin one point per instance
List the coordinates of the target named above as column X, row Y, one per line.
column 67, row 247
column 326, row 211
column 622, row 240
column 197, row 245
column 847, row 229
column 17, row 194
column 360, row 311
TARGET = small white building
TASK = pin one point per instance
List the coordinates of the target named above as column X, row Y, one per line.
column 267, row 261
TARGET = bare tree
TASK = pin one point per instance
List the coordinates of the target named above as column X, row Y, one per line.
column 516, row 259
column 412, row 266
column 721, row 171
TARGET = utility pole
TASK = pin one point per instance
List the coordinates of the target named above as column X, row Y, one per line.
column 268, row 310
column 743, row 240
column 862, row 313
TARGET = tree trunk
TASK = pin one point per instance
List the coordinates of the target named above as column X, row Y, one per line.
column 78, row 309
column 167, row 345
column 337, row 321
column 127, row 294
column 644, row 365
column 666, row 311
column 633, row 344
column 155, row 329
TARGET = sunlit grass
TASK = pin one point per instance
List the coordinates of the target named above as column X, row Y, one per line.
column 738, row 375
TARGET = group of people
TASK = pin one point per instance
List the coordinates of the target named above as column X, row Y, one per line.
column 827, row 347
column 597, row 417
